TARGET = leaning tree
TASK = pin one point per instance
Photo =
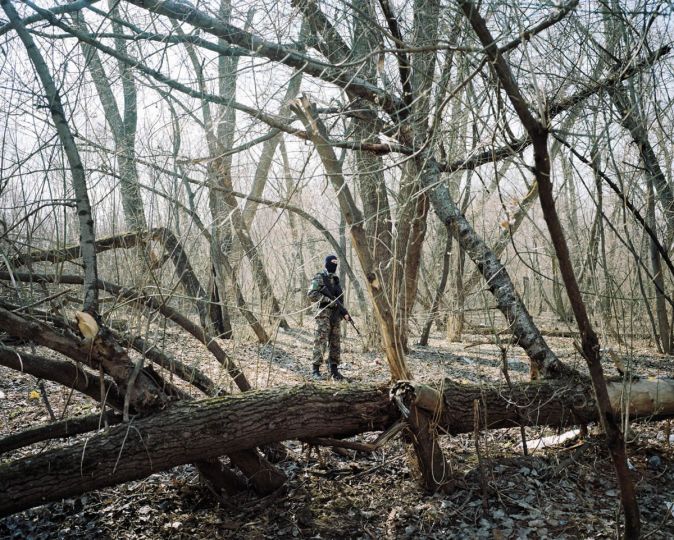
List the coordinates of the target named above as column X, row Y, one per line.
column 395, row 106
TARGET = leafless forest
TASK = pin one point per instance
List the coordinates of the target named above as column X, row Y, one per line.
column 497, row 181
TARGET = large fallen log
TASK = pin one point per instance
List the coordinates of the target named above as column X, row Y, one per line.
column 197, row 430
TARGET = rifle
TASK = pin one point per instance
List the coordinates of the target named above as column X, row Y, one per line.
column 325, row 291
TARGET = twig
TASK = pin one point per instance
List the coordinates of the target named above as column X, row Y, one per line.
column 360, row 447
column 43, row 300
column 523, row 432
column 129, row 387
column 476, row 433
column 43, row 393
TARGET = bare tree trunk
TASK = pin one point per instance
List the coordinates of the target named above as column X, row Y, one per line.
column 393, row 347
column 297, row 236
column 557, row 298
column 456, row 316
column 444, row 274
column 417, row 81
column 528, row 336
column 631, row 120
column 86, row 222
column 123, row 127
column 590, row 344
column 269, row 148
column 658, row 278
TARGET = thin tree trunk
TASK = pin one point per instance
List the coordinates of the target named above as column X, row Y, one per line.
column 631, row 120
column 528, row 336
column 456, row 316
column 590, row 344
column 446, row 258
column 297, row 235
column 658, row 279
column 79, row 182
column 386, row 316
column 123, row 128
column 269, row 148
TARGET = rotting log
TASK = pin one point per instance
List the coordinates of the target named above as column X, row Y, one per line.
column 197, row 430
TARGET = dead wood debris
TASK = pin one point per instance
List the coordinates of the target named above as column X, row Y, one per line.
column 366, row 490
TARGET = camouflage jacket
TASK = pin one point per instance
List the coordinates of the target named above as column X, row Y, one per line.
column 319, row 281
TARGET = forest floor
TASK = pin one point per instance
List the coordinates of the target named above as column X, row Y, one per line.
column 565, row 491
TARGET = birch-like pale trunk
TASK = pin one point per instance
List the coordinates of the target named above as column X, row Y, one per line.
column 79, row 181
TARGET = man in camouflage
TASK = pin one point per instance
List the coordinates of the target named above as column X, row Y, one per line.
column 326, row 290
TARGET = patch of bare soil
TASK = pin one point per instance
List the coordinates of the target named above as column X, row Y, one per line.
column 565, row 491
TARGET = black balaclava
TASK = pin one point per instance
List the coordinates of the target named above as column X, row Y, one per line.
column 331, row 266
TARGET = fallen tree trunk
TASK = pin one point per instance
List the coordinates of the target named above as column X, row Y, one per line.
column 63, row 372
column 198, row 430
column 149, row 390
column 62, row 429
column 138, row 297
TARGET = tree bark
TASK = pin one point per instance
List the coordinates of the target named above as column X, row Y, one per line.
column 63, row 372
column 538, row 131
column 189, row 431
column 79, row 182
column 62, row 429
column 123, row 127
column 446, row 259
column 146, row 390
column 167, row 311
column 508, row 301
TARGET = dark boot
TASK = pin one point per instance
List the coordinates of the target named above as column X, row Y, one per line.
column 335, row 374
column 316, row 374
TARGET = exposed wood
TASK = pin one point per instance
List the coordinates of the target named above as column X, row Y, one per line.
column 140, row 298
column 145, row 389
column 538, row 128
column 205, row 429
column 149, row 390
column 444, row 274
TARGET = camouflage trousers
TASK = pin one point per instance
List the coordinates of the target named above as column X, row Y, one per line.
column 327, row 336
